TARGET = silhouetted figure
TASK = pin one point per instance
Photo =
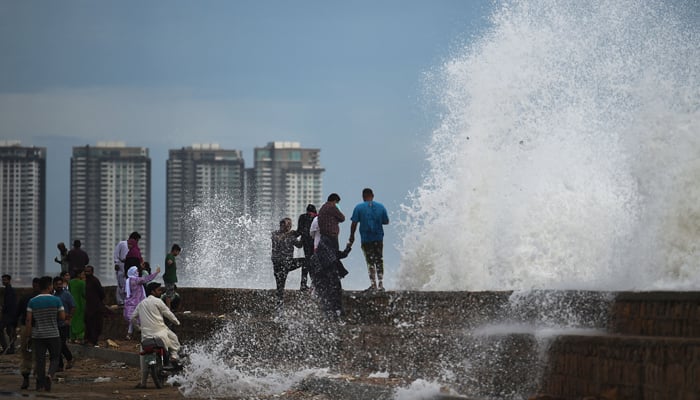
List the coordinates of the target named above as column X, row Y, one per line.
column 77, row 259
column 94, row 307
column 304, row 227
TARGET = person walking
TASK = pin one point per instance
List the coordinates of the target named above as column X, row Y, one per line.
column 170, row 274
column 94, row 307
column 77, row 259
column 64, row 325
column 25, row 342
column 135, row 293
column 45, row 311
column 304, row 229
column 372, row 216
column 8, row 316
column 283, row 242
column 329, row 219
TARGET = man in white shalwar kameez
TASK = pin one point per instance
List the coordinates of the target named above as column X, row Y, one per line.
column 149, row 316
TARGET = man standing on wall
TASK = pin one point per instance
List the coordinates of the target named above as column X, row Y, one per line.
column 77, row 259
column 304, row 227
column 329, row 219
column 170, row 274
column 371, row 216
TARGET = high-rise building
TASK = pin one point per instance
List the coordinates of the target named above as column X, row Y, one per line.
column 22, row 217
column 196, row 175
column 284, row 179
column 110, row 197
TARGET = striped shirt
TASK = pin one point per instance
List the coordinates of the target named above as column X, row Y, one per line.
column 45, row 309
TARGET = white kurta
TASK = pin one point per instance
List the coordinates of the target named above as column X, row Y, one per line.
column 150, row 312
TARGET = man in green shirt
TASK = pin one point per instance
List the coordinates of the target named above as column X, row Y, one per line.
column 170, row 275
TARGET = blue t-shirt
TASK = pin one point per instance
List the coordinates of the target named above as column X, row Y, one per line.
column 371, row 216
column 68, row 304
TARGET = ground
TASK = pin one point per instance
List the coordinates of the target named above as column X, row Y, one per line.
column 91, row 378
column 99, row 378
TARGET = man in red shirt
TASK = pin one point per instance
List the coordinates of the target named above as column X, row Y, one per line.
column 329, row 219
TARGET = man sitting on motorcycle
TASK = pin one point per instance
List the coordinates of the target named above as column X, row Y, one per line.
column 150, row 316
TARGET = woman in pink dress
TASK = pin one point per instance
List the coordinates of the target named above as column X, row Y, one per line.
column 135, row 293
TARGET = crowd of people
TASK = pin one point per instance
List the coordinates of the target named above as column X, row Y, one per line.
column 318, row 234
column 70, row 308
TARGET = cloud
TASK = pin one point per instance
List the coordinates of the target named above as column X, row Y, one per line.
column 134, row 115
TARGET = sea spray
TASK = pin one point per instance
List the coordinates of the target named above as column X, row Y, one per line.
column 228, row 248
column 567, row 153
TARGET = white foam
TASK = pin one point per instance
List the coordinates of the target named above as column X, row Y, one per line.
column 567, row 157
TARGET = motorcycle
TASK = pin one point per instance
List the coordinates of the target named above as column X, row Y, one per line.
column 156, row 361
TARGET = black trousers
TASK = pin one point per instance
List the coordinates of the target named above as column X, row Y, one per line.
column 40, row 346
column 93, row 327
column 9, row 328
column 281, row 269
column 308, row 252
column 330, row 292
column 65, row 350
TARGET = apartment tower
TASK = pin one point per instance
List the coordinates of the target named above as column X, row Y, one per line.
column 284, row 179
column 110, row 197
column 22, row 218
column 197, row 176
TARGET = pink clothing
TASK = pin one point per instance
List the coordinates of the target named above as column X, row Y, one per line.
column 136, row 294
column 134, row 251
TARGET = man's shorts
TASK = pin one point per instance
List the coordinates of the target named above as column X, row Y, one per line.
column 373, row 252
column 170, row 290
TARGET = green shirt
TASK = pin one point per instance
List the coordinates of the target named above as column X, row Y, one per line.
column 170, row 275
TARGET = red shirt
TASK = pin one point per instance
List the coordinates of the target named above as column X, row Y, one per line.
column 329, row 218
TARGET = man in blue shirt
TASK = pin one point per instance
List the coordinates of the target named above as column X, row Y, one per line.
column 371, row 216
column 64, row 326
column 45, row 310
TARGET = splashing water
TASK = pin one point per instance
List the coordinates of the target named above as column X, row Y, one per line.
column 568, row 153
column 232, row 249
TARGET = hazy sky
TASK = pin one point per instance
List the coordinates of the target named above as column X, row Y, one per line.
column 346, row 77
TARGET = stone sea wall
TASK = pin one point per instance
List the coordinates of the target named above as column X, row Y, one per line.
column 644, row 345
column 651, row 351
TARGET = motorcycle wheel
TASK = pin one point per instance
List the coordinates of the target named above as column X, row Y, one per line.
column 156, row 371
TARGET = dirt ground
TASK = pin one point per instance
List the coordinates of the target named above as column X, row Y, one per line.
column 88, row 379
column 97, row 378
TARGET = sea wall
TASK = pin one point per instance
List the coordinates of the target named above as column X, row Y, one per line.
column 644, row 345
column 651, row 351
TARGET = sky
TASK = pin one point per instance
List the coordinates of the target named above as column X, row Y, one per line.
column 349, row 78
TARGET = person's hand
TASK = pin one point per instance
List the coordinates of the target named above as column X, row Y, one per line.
column 116, row 267
column 351, row 240
column 158, row 270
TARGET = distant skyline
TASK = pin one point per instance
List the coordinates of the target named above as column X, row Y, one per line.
column 352, row 79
